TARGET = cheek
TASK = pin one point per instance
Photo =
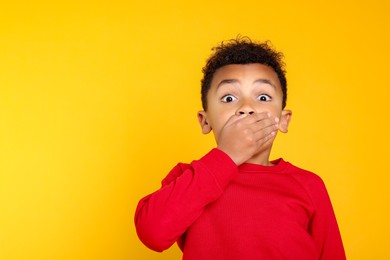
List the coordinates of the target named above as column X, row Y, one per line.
column 275, row 112
column 218, row 121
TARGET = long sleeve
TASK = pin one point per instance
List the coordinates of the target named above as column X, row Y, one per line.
column 324, row 228
column 162, row 217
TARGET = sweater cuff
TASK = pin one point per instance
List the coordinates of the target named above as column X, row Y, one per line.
column 220, row 165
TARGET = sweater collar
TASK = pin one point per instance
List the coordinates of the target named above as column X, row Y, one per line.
column 278, row 166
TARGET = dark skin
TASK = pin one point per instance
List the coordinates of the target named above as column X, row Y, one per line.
column 245, row 112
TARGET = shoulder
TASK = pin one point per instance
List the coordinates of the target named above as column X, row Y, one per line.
column 215, row 163
column 310, row 182
column 301, row 174
column 175, row 172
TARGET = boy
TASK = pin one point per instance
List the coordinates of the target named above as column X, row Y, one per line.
column 234, row 203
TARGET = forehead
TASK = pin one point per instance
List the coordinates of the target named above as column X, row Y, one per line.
column 243, row 72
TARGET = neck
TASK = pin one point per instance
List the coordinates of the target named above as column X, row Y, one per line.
column 261, row 159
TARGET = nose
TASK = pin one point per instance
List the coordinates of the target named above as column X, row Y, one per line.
column 243, row 113
column 245, row 108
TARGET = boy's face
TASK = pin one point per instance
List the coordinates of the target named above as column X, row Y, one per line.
column 237, row 89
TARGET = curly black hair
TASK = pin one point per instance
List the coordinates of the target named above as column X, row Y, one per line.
column 243, row 50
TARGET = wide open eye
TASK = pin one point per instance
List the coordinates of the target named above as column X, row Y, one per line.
column 228, row 98
column 264, row 97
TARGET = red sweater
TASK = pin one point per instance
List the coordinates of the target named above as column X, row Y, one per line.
column 216, row 210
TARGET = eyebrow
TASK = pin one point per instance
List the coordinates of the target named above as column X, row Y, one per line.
column 226, row 81
column 266, row 81
column 229, row 81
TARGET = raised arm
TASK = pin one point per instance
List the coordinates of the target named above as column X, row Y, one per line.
column 162, row 217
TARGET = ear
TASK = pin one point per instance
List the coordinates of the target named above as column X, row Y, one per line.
column 204, row 124
column 285, row 120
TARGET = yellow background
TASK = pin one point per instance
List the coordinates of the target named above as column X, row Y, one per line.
column 98, row 101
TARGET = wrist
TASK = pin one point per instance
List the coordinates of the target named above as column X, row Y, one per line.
column 235, row 158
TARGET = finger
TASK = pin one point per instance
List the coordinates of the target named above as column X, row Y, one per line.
column 265, row 132
column 257, row 117
column 264, row 140
column 265, row 124
column 263, row 119
column 234, row 118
